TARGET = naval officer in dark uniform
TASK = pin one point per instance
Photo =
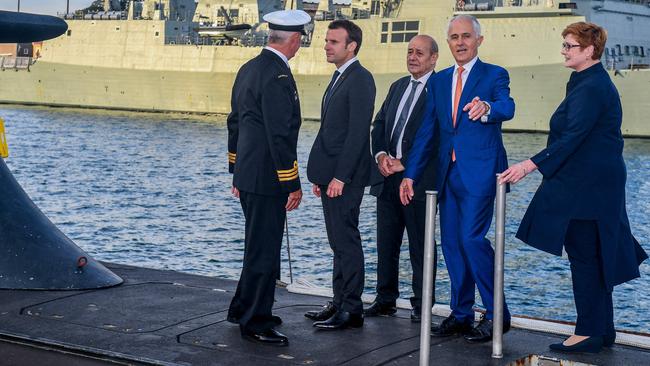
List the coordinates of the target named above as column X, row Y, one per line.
column 262, row 137
column 393, row 133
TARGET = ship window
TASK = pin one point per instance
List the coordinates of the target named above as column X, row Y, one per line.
column 618, row 49
column 642, row 51
column 409, row 36
column 627, row 50
column 375, row 8
column 157, row 33
column 398, row 26
column 399, row 31
column 69, row 33
column 412, row 26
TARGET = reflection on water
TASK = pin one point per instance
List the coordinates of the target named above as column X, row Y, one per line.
column 153, row 190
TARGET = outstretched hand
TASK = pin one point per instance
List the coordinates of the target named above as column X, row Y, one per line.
column 517, row 172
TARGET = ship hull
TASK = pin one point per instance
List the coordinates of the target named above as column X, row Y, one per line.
column 537, row 91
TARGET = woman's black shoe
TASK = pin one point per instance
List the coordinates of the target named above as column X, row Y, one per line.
column 590, row 345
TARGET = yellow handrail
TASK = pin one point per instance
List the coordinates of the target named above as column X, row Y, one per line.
column 4, row 148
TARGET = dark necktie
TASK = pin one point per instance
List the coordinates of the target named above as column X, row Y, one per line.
column 401, row 121
column 331, row 86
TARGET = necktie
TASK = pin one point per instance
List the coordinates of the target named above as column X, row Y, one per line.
column 401, row 120
column 457, row 93
column 328, row 91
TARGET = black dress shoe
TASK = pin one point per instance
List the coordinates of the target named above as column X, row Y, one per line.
column 271, row 337
column 325, row 313
column 483, row 331
column 589, row 345
column 341, row 320
column 451, row 326
column 416, row 314
column 235, row 320
column 379, row 309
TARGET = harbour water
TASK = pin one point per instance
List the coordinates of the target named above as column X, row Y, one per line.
column 153, row 190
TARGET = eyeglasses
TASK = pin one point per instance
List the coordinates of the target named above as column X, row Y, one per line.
column 568, row 46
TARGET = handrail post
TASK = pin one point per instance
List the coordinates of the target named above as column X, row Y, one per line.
column 427, row 285
column 499, row 249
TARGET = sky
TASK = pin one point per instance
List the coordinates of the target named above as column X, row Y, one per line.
column 43, row 6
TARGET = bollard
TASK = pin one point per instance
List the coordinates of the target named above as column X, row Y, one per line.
column 427, row 285
column 499, row 248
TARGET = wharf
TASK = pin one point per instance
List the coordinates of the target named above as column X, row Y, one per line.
column 159, row 317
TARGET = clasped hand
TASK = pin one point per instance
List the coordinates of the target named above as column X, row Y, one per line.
column 388, row 165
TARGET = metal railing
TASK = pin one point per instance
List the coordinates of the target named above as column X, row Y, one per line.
column 427, row 286
column 499, row 250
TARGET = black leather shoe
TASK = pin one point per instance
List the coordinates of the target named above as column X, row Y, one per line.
column 379, row 309
column 341, row 320
column 589, row 345
column 451, row 326
column 483, row 331
column 416, row 314
column 271, row 337
column 320, row 315
column 235, row 320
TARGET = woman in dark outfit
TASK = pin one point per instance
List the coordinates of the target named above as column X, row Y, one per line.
column 581, row 201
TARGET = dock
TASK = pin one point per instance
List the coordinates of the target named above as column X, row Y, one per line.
column 159, row 317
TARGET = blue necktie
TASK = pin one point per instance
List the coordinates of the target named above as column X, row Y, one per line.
column 401, row 121
column 331, row 86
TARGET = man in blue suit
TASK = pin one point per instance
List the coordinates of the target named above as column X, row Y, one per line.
column 468, row 103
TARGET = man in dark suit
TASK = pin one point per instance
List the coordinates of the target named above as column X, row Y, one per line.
column 393, row 133
column 339, row 168
column 469, row 102
column 262, row 137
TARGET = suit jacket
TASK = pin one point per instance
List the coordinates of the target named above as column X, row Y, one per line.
column 480, row 153
column 381, row 135
column 584, row 177
column 263, row 127
column 342, row 147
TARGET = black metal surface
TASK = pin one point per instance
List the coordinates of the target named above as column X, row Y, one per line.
column 25, row 27
column 34, row 254
column 171, row 318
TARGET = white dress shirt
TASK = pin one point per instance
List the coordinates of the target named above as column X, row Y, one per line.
column 467, row 69
column 418, row 91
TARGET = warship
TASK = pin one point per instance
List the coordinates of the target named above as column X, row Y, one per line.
column 182, row 55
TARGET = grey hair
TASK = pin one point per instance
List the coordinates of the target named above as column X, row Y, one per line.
column 471, row 18
column 279, row 36
column 432, row 42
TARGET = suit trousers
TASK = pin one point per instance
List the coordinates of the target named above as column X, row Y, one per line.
column 392, row 219
column 593, row 300
column 342, row 224
column 464, row 223
column 253, row 300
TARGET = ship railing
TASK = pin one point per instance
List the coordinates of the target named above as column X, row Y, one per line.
column 15, row 63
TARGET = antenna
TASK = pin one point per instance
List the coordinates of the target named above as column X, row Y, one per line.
column 18, row 6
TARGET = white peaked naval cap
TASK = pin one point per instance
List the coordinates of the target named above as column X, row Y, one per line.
column 288, row 20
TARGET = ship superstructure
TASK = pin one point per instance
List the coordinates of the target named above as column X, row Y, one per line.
column 156, row 57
